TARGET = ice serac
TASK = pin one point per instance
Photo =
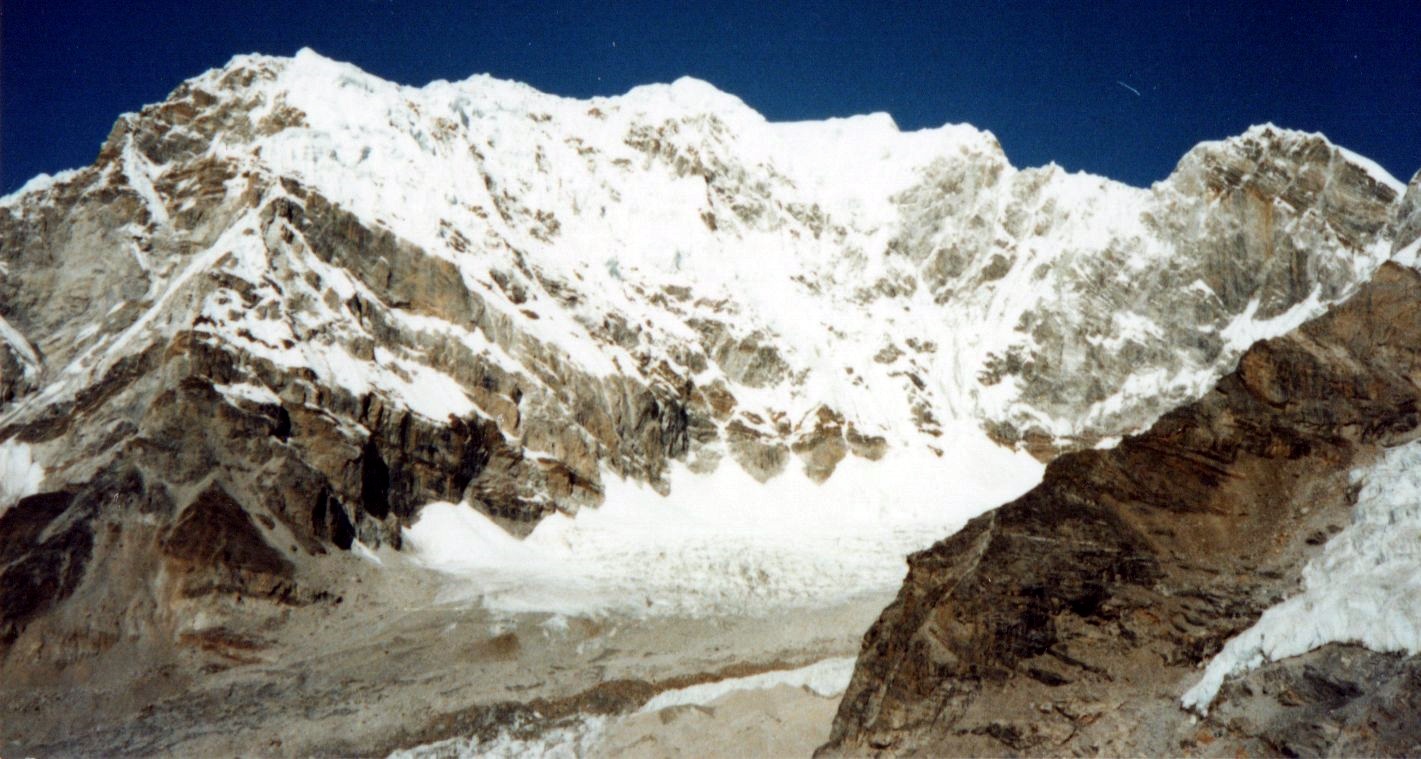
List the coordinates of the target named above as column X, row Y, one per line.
column 293, row 303
column 1074, row 619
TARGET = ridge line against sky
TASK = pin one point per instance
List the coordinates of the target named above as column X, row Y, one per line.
column 1112, row 88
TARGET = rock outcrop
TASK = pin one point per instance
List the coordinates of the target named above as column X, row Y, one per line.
column 1073, row 619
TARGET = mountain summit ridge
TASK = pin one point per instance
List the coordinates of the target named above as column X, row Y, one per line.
column 858, row 215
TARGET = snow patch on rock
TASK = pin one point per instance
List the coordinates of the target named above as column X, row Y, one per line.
column 826, row 678
column 576, row 738
column 20, row 474
column 12, row 337
column 1363, row 588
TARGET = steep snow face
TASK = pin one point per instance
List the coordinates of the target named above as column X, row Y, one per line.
column 1363, row 589
column 629, row 201
column 900, row 277
column 905, row 279
column 640, row 287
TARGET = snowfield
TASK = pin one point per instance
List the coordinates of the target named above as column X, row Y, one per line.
column 723, row 543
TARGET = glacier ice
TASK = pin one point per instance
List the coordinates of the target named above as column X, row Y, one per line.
column 1364, row 588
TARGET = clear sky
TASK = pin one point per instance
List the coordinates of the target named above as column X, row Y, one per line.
column 1116, row 88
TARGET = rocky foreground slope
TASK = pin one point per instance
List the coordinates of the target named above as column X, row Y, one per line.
column 293, row 304
column 1075, row 619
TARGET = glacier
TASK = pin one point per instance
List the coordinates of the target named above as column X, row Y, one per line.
column 723, row 543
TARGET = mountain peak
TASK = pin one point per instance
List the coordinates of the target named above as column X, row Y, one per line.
column 1270, row 142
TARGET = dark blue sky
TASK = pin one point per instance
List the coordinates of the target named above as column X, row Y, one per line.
column 1044, row 77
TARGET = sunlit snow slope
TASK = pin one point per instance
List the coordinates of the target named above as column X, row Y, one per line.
column 827, row 341
column 901, row 278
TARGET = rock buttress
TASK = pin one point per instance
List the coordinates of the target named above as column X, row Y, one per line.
column 1072, row 619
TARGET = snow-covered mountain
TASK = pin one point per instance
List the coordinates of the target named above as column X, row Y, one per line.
column 382, row 296
column 293, row 305
column 484, row 250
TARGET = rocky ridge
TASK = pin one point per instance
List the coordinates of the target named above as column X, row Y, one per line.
column 1074, row 618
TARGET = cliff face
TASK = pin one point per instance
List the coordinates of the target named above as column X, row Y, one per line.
column 1076, row 617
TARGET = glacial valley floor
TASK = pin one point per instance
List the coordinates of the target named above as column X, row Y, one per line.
column 392, row 666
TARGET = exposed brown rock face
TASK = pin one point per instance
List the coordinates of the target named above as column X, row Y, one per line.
column 1339, row 700
column 218, row 548
column 39, row 567
column 1072, row 619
